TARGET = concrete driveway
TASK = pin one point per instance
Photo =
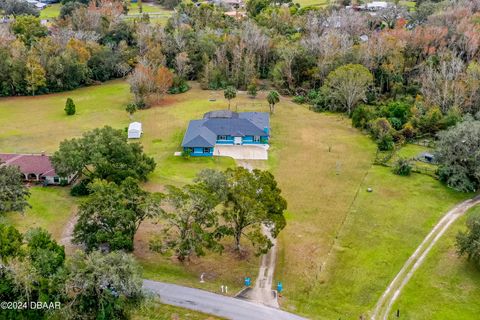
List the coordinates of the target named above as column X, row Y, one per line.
column 244, row 152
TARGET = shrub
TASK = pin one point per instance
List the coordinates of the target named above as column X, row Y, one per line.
column 252, row 88
column 186, row 153
column 321, row 102
column 299, row 99
column 131, row 108
column 380, row 127
column 385, row 142
column 312, row 95
column 452, row 117
column 80, row 189
column 396, row 123
column 408, row 131
column 179, row 86
column 70, row 107
column 430, row 122
column 362, row 115
column 141, row 105
column 467, row 242
column 403, row 167
column 397, row 113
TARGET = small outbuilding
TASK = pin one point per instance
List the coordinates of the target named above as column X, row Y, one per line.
column 135, row 130
column 427, row 157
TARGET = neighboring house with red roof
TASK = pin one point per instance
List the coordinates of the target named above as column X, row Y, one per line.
column 35, row 168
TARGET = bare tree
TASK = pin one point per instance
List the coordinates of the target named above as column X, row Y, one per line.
column 163, row 81
column 182, row 65
column 142, row 83
column 443, row 84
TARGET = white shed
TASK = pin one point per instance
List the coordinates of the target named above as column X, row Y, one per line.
column 135, row 130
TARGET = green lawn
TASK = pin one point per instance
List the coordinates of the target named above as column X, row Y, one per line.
column 157, row 13
column 313, row 3
column 382, row 230
column 445, row 286
column 51, row 209
column 133, row 8
column 51, row 11
column 319, row 161
column 411, row 151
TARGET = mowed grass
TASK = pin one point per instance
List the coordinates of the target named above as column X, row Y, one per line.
column 411, row 151
column 51, row 11
column 35, row 124
column 50, row 209
column 320, row 162
column 313, row 3
column 134, row 8
column 382, row 230
column 445, row 286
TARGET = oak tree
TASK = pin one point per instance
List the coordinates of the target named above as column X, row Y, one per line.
column 112, row 214
column 13, row 192
column 103, row 154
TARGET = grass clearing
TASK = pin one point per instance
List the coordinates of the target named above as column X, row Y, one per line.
column 382, row 230
column 51, row 11
column 133, row 8
column 445, row 286
column 319, row 161
column 313, row 3
column 51, row 209
column 410, row 151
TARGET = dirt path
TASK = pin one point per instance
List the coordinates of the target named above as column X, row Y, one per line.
column 262, row 291
column 388, row 298
column 67, row 233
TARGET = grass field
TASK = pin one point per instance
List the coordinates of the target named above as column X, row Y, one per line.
column 313, row 3
column 320, row 164
column 133, row 8
column 323, row 167
column 445, row 286
column 51, row 11
column 323, row 3
column 382, row 230
column 51, row 209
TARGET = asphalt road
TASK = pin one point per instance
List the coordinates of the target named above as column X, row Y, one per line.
column 214, row 304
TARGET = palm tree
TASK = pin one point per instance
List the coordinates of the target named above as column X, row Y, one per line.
column 273, row 98
column 229, row 94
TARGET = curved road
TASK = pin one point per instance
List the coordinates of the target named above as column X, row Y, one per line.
column 214, row 304
column 386, row 301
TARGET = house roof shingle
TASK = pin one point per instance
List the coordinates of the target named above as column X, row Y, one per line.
column 29, row 163
column 203, row 133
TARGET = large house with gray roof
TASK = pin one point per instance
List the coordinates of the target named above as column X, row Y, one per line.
column 226, row 128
